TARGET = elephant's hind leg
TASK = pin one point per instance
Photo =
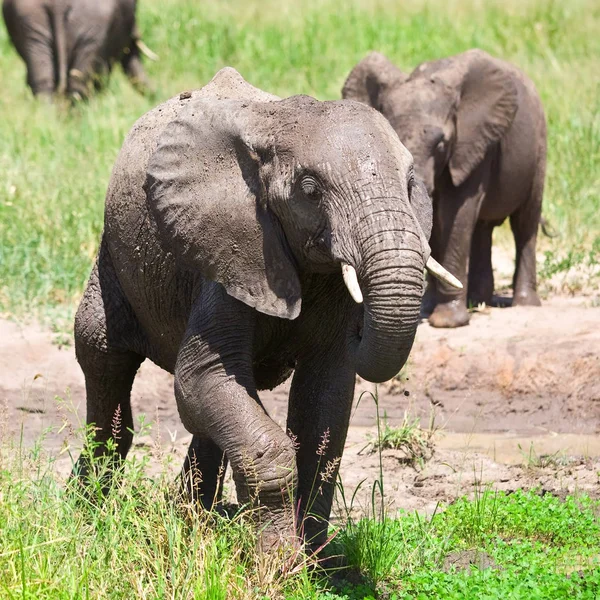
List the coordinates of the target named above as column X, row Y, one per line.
column 109, row 376
column 32, row 37
column 481, row 275
column 524, row 224
column 203, row 471
column 109, row 369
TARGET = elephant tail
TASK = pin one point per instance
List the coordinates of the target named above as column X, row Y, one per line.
column 59, row 16
column 547, row 228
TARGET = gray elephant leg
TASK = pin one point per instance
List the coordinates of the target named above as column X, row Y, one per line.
column 481, row 275
column 318, row 416
column 31, row 35
column 103, row 318
column 36, row 51
column 459, row 217
column 217, row 397
column 109, row 375
column 133, row 68
column 524, row 224
column 203, row 471
column 40, row 69
column 455, row 218
column 87, row 71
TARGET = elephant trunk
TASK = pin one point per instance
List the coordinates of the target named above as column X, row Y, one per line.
column 391, row 280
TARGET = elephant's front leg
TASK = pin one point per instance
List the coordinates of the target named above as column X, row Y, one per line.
column 217, row 399
column 318, row 416
column 454, row 223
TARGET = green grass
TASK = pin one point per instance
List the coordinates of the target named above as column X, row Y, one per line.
column 414, row 441
column 141, row 541
column 54, row 167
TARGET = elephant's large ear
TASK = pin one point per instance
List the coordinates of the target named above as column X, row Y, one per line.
column 372, row 75
column 486, row 109
column 204, row 190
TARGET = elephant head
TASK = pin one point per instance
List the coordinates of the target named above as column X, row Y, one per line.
column 448, row 112
column 258, row 195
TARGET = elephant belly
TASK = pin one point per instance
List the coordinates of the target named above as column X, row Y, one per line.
column 269, row 374
column 508, row 191
column 274, row 352
column 513, row 170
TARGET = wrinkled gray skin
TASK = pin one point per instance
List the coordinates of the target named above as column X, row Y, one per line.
column 70, row 46
column 476, row 128
column 228, row 215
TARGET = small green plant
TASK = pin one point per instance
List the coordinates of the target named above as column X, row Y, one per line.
column 372, row 544
column 479, row 516
column 415, row 442
column 573, row 269
column 532, row 460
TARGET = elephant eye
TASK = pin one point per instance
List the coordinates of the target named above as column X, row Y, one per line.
column 310, row 186
column 410, row 181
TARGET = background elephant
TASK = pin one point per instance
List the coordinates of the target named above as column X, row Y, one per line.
column 476, row 128
column 230, row 217
column 70, row 45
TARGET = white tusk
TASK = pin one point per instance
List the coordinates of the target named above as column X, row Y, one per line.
column 146, row 51
column 434, row 267
column 351, row 281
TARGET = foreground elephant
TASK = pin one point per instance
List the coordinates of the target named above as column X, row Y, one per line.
column 71, row 45
column 476, row 128
column 230, row 217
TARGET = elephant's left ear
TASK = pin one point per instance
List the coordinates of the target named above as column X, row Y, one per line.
column 369, row 78
column 204, row 190
column 486, row 109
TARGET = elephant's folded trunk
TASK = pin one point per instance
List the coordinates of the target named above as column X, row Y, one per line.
column 391, row 281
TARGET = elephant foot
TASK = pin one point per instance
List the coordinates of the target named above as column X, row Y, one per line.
column 477, row 299
column 526, row 298
column 450, row 314
column 430, row 298
column 480, row 295
column 428, row 305
column 273, row 539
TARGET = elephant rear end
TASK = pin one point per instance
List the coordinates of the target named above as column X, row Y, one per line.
column 70, row 46
column 37, row 32
column 101, row 34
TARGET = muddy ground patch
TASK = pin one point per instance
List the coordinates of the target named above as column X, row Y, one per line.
column 515, row 396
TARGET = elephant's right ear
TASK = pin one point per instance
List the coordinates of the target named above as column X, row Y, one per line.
column 204, row 190
column 372, row 75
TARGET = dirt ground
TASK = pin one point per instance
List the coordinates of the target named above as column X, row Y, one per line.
column 515, row 395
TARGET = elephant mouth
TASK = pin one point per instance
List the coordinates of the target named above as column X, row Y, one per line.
column 360, row 324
